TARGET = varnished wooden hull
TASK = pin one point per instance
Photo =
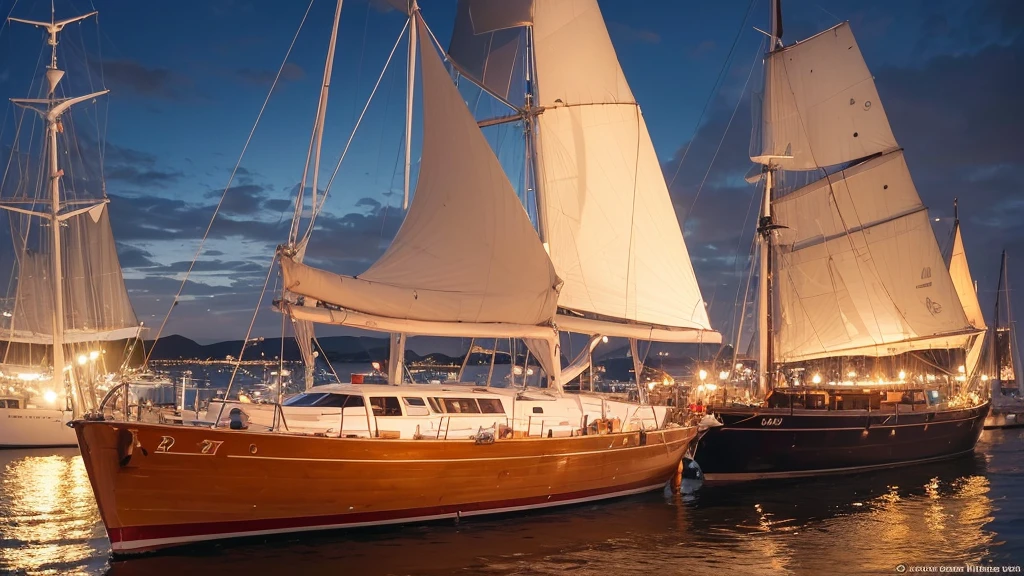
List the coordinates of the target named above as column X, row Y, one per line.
column 160, row 486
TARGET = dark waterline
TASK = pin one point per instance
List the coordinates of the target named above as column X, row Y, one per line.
column 968, row 510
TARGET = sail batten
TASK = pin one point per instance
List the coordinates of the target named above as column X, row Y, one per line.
column 466, row 252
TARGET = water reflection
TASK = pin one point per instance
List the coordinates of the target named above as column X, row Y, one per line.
column 966, row 510
column 50, row 521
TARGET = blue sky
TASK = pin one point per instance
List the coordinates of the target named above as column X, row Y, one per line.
column 187, row 81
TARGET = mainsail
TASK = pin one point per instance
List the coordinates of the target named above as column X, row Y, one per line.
column 606, row 215
column 858, row 270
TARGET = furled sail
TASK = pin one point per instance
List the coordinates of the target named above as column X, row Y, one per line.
column 820, row 105
column 859, row 269
column 96, row 304
column 466, row 252
column 608, row 219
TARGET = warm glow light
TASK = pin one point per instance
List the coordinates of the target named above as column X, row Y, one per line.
column 711, row 387
column 650, row 385
column 30, row 376
column 739, row 366
column 984, row 377
column 94, row 355
column 903, row 375
column 961, row 370
column 703, row 374
column 50, row 396
column 851, row 374
column 604, row 339
column 816, row 379
column 723, row 375
column 82, row 359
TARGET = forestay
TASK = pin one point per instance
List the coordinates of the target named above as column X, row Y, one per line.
column 821, row 106
column 466, row 252
column 859, row 269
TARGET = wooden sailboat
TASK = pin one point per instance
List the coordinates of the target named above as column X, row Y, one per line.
column 851, row 273
column 70, row 294
column 467, row 261
column 1006, row 386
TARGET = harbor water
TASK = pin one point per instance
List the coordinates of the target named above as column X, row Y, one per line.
column 968, row 511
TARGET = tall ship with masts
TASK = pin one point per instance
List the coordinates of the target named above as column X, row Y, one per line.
column 69, row 297
column 862, row 333
column 466, row 262
column 1005, row 383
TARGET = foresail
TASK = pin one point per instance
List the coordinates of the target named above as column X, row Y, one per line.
column 610, row 224
column 466, row 251
column 960, row 272
column 97, row 307
column 820, row 105
column 859, row 271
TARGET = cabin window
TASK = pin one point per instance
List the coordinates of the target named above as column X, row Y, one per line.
column 304, row 399
column 339, row 400
column 9, row 403
column 460, row 405
column 385, row 406
column 815, row 401
column 415, row 406
column 538, row 410
column 491, row 406
column 434, row 405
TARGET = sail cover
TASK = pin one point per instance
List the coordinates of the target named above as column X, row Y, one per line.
column 466, row 251
column 859, row 269
column 821, row 106
column 96, row 304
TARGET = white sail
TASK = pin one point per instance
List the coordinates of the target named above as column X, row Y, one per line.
column 610, row 224
column 466, row 252
column 859, row 269
column 960, row 273
column 608, row 219
column 96, row 308
column 821, row 106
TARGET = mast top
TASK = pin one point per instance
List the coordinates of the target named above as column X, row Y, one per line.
column 54, row 74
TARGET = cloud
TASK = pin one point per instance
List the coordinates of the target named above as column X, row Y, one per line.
column 624, row 33
column 134, row 257
column 136, row 78
column 291, row 72
column 244, row 199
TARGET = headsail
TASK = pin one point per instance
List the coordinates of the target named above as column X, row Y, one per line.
column 466, row 252
column 608, row 219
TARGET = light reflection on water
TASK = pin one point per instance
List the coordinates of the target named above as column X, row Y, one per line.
column 967, row 510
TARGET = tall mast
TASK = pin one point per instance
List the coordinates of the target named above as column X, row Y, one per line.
column 51, row 108
column 532, row 153
column 396, row 356
column 410, row 85
column 997, row 355
column 765, row 355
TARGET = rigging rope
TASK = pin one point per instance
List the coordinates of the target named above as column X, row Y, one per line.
column 224, row 194
column 714, row 90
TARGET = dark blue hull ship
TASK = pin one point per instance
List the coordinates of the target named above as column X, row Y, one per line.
column 811, row 433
